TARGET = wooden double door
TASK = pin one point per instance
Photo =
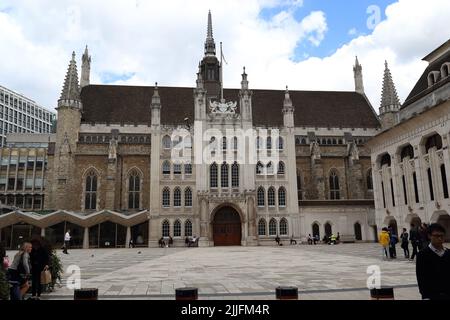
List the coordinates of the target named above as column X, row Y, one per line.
column 227, row 227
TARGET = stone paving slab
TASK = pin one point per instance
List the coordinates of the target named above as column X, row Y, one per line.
column 237, row 272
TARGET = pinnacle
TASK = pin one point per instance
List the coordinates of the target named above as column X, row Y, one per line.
column 71, row 89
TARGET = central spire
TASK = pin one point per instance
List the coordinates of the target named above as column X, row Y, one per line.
column 210, row 45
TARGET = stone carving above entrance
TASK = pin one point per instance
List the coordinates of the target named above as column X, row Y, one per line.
column 223, row 107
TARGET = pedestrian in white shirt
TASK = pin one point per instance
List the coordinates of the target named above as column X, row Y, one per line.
column 66, row 241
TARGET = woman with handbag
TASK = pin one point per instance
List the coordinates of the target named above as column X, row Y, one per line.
column 20, row 269
column 39, row 265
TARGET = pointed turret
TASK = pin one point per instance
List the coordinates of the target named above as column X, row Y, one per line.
column 156, row 100
column 389, row 97
column 244, row 82
column 85, row 69
column 210, row 45
column 156, row 106
column 70, row 95
column 288, row 110
column 390, row 103
column 357, row 71
column 245, row 96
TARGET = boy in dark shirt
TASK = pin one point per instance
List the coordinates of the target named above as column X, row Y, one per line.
column 433, row 265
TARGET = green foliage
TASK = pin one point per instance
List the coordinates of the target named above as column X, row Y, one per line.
column 4, row 286
column 56, row 269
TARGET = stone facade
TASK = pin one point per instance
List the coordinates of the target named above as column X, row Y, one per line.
column 410, row 159
column 282, row 177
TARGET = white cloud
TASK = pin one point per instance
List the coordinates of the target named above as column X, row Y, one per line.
column 163, row 41
column 352, row 32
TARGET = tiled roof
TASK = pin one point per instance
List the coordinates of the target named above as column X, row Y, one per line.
column 129, row 104
column 421, row 88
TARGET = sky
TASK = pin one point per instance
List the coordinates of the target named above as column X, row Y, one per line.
column 305, row 44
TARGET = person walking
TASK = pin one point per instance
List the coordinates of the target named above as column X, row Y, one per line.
column 414, row 239
column 20, row 270
column 67, row 238
column 393, row 240
column 405, row 246
column 39, row 262
column 384, row 240
column 310, row 240
column 433, row 265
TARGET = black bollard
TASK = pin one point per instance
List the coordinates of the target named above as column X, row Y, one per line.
column 383, row 293
column 286, row 293
column 86, row 294
column 186, row 294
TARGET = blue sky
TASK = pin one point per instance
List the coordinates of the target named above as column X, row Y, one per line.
column 342, row 16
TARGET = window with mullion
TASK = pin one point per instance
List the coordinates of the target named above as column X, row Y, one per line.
column 90, row 202
column 224, row 183
column 235, row 175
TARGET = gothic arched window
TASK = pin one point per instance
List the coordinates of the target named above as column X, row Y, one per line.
column 272, row 227
column 177, row 197
column 270, row 168
column 167, row 142
column 407, row 151
column 166, row 167
column 271, row 197
column 235, row 175
column 282, row 197
column 177, row 228
column 334, row 186
column 262, row 227
column 281, row 167
column 269, row 143
column 283, row 227
column 134, row 190
column 165, row 228
column 280, row 143
column 213, row 176
column 90, row 200
column 261, row 197
column 188, row 228
column 224, row 183
column 235, row 143
column 188, row 197
column 433, row 141
column 259, row 168
column 166, row 197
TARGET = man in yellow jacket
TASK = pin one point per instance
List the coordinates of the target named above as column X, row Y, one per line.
column 384, row 240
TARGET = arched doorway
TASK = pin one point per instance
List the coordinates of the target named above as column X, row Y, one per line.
column 358, row 233
column 315, row 230
column 328, row 229
column 227, row 227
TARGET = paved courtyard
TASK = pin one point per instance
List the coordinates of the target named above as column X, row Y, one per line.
column 320, row 272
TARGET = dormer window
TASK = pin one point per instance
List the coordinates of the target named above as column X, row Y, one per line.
column 433, row 77
column 445, row 70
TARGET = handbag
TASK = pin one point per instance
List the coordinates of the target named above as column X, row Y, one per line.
column 46, row 277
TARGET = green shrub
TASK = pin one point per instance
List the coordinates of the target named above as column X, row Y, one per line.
column 56, row 269
column 4, row 286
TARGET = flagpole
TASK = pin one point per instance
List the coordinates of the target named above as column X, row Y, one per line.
column 221, row 73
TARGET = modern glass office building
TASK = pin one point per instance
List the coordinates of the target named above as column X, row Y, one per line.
column 19, row 114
